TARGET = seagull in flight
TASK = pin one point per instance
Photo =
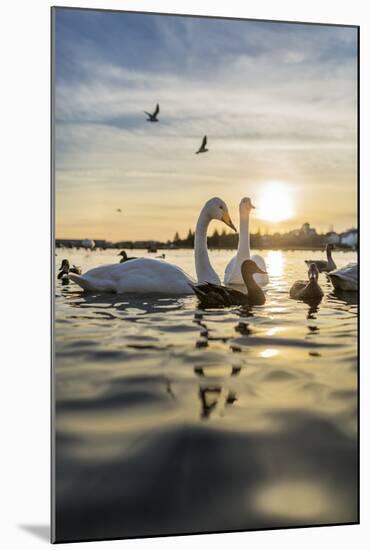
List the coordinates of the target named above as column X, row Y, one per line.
column 203, row 148
column 153, row 117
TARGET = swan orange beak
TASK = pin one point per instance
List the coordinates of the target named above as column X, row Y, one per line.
column 227, row 220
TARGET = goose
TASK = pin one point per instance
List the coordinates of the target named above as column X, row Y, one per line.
column 307, row 290
column 324, row 265
column 232, row 274
column 153, row 276
column 124, row 257
column 215, row 296
column 153, row 116
column 202, row 148
column 345, row 278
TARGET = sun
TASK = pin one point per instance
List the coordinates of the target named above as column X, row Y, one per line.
column 275, row 203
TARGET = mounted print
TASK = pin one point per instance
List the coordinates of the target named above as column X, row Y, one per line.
column 205, row 274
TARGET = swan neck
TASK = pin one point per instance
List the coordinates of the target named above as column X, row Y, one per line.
column 204, row 270
column 244, row 237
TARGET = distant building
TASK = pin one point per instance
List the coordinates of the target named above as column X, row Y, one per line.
column 307, row 231
column 349, row 238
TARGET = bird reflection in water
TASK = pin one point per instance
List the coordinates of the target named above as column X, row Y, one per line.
column 214, row 398
column 243, row 328
column 313, row 307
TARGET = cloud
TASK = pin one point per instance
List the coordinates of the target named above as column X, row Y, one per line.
column 275, row 100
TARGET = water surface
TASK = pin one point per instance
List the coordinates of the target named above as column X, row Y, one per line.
column 170, row 419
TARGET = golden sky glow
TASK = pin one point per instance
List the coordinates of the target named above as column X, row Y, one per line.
column 277, row 102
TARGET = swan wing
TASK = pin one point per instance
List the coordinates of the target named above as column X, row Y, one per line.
column 345, row 278
column 260, row 278
column 228, row 272
column 233, row 276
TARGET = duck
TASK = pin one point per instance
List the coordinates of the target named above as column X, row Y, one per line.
column 124, row 257
column 216, row 296
column 155, row 276
column 232, row 273
column 308, row 290
column 65, row 269
column 325, row 265
column 202, row 148
column 345, row 278
column 154, row 115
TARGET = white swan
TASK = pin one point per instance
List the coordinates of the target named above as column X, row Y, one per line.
column 345, row 278
column 232, row 274
column 152, row 276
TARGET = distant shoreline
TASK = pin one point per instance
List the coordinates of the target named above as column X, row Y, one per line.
column 164, row 247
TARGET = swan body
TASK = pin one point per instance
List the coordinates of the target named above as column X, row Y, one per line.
column 154, row 276
column 324, row 265
column 232, row 274
column 215, row 296
column 307, row 290
column 345, row 278
column 139, row 276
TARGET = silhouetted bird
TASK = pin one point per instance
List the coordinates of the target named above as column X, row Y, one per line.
column 119, row 210
column 65, row 269
column 153, row 117
column 125, row 258
column 203, row 148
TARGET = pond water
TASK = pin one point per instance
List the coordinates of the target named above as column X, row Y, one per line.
column 170, row 419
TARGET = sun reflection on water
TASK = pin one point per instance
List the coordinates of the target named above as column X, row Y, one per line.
column 275, row 263
column 269, row 352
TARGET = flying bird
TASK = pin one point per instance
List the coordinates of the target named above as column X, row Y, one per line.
column 119, row 210
column 153, row 117
column 203, row 148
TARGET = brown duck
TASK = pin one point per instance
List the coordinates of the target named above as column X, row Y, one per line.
column 217, row 296
column 307, row 290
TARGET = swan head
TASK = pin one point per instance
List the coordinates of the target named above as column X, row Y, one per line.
column 218, row 210
column 246, row 206
column 313, row 272
column 330, row 247
column 249, row 267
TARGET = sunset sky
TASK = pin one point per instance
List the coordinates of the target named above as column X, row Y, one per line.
column 277, row 102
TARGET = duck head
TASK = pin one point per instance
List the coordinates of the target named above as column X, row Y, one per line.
column 218, row 210
column 123, row 253
column 65, row 266
column 249, row 267
column 313, row 272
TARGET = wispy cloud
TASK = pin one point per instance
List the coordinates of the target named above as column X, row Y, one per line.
column 277, row 101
